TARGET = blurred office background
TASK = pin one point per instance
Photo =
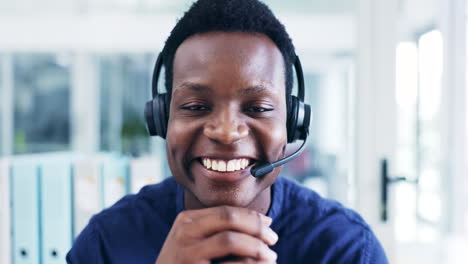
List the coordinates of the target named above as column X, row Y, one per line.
column 385, row 79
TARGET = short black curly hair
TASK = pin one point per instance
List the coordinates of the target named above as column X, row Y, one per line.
column 251, row 16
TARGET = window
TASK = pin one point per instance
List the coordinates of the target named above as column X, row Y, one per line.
column 125, row 83
column 41, row 103
column 326, row 165
column 419, row 82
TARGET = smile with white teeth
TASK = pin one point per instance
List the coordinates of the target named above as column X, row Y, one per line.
column 223, row 165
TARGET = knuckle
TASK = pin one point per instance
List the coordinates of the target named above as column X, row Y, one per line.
column 183, row 217
column 179, row 235
column 229, row 214
column 180, row 258
column 253, row 212
column 260, row 247
column 250, row 261
column 227, row 239
column 187, row 256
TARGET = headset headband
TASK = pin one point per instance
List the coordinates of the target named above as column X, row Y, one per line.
column 156, row 72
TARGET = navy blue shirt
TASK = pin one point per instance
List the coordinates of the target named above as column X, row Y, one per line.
column 310, row 229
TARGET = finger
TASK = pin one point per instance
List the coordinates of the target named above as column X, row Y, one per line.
column 247, row 262
column 228, row 259
column 266, row 262
column 192, row 215
column 233, row 243
column 238, row 260
column 229, row 218
column 241, row 261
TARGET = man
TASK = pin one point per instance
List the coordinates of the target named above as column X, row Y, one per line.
column 229, row 80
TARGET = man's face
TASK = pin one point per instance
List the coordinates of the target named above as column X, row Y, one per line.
column 228, row 108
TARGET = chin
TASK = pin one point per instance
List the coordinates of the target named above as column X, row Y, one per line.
column 217, row 196
column 215, row 203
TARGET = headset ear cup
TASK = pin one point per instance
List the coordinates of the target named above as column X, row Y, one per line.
column 164, row 114
column 307, row 120
column 299, row 119
column 157, row 115
column 291, row 123
column 149, row 118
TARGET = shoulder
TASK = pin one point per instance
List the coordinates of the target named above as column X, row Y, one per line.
column 86, row 247
column 132, row 220
column 309, row 204
column 324, row 228
column 155, row 198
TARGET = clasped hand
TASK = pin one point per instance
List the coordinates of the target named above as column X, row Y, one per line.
column 222, row 234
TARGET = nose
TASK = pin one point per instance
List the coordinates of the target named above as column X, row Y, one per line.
column 225, row 127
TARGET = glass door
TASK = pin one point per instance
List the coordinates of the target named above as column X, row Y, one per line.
column 412, row 115
column 418, row 200
column 427, row 203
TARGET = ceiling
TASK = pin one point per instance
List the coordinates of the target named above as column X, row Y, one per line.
column 63, row 7
column 299, row 6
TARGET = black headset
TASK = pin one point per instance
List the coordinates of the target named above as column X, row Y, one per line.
column 298, row 119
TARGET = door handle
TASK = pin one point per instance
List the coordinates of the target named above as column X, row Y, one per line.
column 386, row 181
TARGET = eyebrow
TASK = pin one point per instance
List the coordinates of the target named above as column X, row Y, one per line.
column 251, row 90
column 254, row 90
column 194, row 87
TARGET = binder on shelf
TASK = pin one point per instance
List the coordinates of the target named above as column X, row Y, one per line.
column 56, row 209
column 24, row 179
column 87, row 199
column 115, row 179
column 144, row 171
column 5, row 224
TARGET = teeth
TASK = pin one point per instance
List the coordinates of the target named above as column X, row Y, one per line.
column 238, row 165
column 230, row 166
column 206, row 163
column 221, row 165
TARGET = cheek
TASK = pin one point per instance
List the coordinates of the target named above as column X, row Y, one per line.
column 177, row 139
column 279, row 133
column 279, row 139
column 274, row 138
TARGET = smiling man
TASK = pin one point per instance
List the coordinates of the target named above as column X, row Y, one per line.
column 229, row 80
column 228, row 110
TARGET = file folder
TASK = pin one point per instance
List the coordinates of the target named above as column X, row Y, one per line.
column 5, row 224
column 144, row 171
column 24, row 179
column 87, row 199
column 56, row 209
column 115, row 180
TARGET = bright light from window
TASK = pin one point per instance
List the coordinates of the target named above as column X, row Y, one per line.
column 405, row 222
column 430, row 70
column 419, row 69
column 406, row 74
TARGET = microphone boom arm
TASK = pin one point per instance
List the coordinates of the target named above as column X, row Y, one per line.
column 267, row 167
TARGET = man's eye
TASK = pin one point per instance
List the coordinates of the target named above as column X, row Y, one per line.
column 195, row 108
column 258, row 109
